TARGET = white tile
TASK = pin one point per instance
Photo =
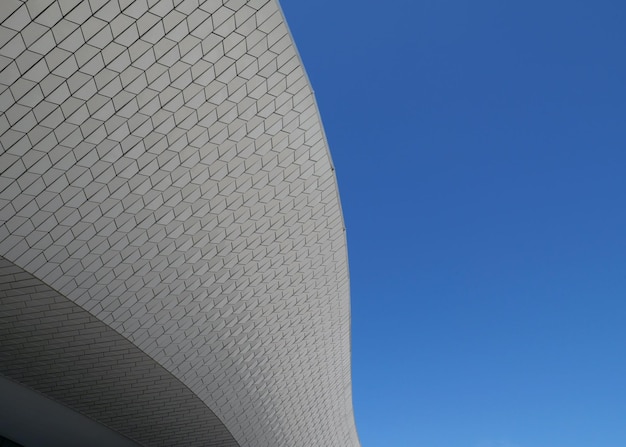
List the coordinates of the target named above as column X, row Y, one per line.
column 18, row 19
column 108, row 11
column 9, row 7
column 14, row 47
column 80, row 14
column 68, row 5
column 33, row 32
column 197, row 141
column 50, row 16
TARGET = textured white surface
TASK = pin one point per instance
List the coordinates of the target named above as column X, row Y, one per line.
column 163, row 166
column 51, row 345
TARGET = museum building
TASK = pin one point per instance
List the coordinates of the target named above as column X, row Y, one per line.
column 173, row 264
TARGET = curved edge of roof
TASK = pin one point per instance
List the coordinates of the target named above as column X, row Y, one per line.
column 346, row 313
column 332, row 164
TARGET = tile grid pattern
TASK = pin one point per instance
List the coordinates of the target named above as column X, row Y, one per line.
column 50, row 344
column 163, row 165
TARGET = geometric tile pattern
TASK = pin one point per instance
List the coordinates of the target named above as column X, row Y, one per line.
column 164, row 168
column 53, row 346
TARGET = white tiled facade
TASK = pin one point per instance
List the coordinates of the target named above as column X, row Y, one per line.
column 163, row 169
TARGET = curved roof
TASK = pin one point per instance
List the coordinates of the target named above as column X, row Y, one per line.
column 172, row 250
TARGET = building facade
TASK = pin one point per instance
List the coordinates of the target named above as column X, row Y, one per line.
column 173, row 265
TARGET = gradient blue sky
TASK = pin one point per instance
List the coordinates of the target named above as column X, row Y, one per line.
column 480, row 149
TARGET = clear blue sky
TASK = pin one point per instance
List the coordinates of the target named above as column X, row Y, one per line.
column 480, row 149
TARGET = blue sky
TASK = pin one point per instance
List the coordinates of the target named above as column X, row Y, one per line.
column 480, row 149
